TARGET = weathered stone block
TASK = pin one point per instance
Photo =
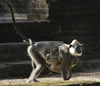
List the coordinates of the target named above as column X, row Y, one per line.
column 13, row 52
column 96, row 54
column 87, row 57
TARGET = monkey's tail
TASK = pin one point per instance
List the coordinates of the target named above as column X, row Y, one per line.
column 30, row 41
column 15, row 25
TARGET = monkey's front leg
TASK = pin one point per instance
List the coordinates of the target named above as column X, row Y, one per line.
column 64, row 66
column 63, row 73
column 66, row 76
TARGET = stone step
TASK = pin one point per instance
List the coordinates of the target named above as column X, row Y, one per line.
column 87, row 65
column 15, row 14
column 17, row 69
column 11, row 52
column 24, row 68
column 8, row 18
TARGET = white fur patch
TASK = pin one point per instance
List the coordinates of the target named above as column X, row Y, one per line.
column 73, row 52
column 29, row 50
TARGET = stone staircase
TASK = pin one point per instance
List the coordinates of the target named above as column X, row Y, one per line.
column 15, row 62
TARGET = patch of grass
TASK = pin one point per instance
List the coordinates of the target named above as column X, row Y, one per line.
column 52, row 83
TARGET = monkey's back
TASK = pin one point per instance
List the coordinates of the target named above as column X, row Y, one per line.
column 48, row 47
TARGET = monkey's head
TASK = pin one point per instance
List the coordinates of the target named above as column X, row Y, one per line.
column 75, row 48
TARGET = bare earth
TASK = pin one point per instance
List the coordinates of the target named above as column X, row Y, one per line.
column 86, row 76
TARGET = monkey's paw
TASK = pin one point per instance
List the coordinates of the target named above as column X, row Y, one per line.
column 29, row 80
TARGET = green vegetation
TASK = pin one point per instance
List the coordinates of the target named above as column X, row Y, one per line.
column 67, row 83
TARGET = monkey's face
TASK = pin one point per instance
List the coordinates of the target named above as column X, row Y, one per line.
column 75, row 48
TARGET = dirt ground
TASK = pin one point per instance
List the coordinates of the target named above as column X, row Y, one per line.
column 93, row 75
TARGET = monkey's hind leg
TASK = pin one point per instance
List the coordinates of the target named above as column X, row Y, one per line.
column 39, row 62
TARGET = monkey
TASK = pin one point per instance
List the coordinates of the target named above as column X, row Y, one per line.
column 56, row 56
column 51, row 59
column 68, row 55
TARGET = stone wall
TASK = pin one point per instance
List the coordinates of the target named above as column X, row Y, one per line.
column 19, row 6
column 35, row 9
column 65, row 9
column 80, row 20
